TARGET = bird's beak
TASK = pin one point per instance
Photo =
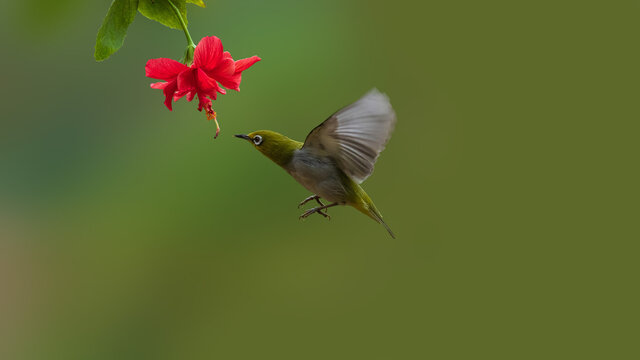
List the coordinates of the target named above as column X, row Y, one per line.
column 241, row 136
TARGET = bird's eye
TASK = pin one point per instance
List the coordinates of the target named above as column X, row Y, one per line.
column 257, row 139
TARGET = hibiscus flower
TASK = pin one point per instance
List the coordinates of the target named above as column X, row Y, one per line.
column 212, row 68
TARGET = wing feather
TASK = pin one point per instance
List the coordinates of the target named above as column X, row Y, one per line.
column 355, row 135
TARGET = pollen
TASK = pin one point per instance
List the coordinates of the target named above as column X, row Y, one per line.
column 211, row 115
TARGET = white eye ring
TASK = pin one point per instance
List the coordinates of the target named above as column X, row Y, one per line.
column 257, row 139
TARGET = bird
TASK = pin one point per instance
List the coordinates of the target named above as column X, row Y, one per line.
column 336, row 156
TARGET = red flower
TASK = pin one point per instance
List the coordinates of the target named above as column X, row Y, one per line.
column 210, row 66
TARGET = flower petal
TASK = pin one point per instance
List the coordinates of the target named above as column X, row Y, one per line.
column 168, row 91
column 208, row 52
column 179, row 94
column 244, row 64
column 231, row 82
column 186, row 81
column 226, row 66
column 213, row 94
column 204, row 102
column 164, row 69
column 159, row 85
column 204, row 82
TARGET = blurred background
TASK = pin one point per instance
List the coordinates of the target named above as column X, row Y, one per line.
column 127, row 232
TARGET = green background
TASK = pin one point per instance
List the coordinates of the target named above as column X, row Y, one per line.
column 127, row 232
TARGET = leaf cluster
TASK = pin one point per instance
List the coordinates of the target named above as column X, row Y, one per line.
column 122, row 13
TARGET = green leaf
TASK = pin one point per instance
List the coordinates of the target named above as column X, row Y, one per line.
column 197, row 2
column 162, row 12
column 114, row 28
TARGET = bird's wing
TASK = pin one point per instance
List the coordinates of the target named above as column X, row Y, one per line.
column 355, row 135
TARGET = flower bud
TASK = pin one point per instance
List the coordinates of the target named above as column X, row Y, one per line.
column 188, row 55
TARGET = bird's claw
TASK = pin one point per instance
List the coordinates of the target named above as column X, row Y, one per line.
column 322, row 209
column 312, row 197
column 318, row 210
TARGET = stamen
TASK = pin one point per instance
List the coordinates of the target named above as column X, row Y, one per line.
column 211, row 115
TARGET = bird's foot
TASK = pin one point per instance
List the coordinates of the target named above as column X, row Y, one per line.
column 318, row 210
column 312, row 197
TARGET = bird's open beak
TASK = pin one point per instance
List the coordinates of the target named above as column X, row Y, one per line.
column 243, row 137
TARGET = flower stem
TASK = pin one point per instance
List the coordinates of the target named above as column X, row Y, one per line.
column 182, row 23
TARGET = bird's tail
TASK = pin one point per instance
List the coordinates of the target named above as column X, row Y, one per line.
column 376, row 216
column 365, row 205
column 370, row 210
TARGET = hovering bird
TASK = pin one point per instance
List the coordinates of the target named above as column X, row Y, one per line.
column 336, row 156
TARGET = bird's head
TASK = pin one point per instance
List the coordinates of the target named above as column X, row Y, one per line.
column 276, row 147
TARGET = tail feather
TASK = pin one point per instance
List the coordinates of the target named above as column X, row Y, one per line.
column 376, row 216
column 366, row 206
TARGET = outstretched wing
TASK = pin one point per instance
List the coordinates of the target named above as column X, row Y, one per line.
column 355, row 135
